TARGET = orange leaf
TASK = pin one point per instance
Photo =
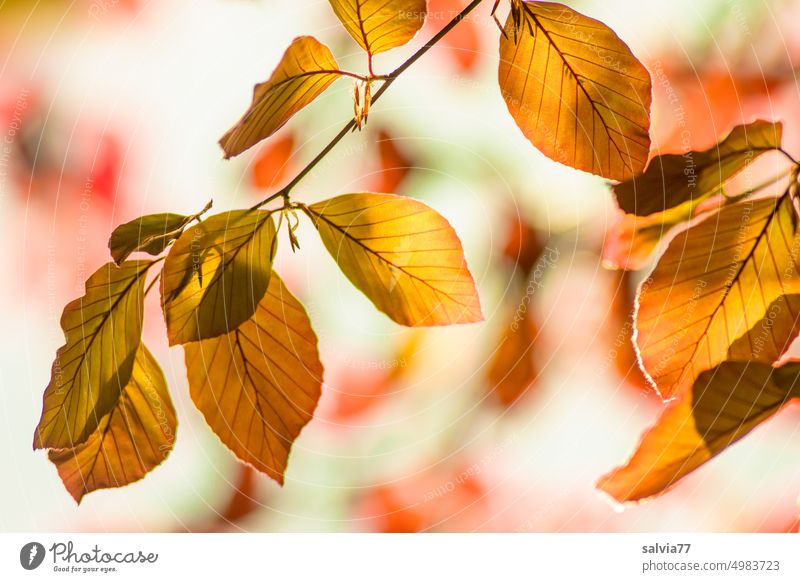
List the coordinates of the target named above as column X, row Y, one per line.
column 462, row 45
column 724, row 289
column 305, row 71
column 575, row 89
column 725, row 404
column 130, row 441
column 513, row 370
column 272, row 165
column 258, row 385
column 380, row 25
column 394, row 163
column 404, row 256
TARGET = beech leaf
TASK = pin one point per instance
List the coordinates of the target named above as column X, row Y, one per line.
column 258, row 385
column 404, row 256
column 575, row 90
column 673, row 179
column 130, row 441
column 726, row 403
column 149, row 234
column 216, row 273
column 380, row 25
column 733, row 275
column 103, row 331
column 305, row 71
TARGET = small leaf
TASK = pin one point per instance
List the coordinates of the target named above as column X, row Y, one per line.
column 575, row 90
column 130, row 441
column 717, row 282
column 103, row 331
column 258, row 385
column 404, row 256
column 394, row 163
column 305, row 71
column 149, row 234
column 380, row 25
column 216, row 273
column 272, row 164
column 725, row 404
column 513, row 371
column 673, row 179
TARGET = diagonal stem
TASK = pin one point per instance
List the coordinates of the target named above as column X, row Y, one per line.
column 388, row 80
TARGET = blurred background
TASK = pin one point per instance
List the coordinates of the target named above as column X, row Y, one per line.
column 112, row 108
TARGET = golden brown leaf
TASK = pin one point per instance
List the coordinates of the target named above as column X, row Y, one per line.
column 216, row 273
column 130, row 441
column 404, row 256
column 149, row 234
column 305, row 71
column 674, row 179
column 258, row 385
column 103, row 331
column 726, row 403
column 380, row 25
column 575, row 90
column 716, row 283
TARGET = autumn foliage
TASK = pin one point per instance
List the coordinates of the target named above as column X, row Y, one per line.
column 712, row 322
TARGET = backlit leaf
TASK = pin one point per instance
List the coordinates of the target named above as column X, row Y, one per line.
column 404, row 256
column 380, row 25
column 672, row 179
column 258, row 385
column 305, row 71
column 216, row 273
column 130, row 441
column 575, row 90
column 148, row 234
column 724, row 405
column 730, row 276
column 103, row 331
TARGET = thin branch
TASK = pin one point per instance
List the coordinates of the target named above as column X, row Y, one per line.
column 388, row 80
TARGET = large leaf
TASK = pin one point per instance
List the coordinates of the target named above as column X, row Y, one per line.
column 103, row 331
column 130, row 441
column 216, row 273
column 403, row 255
column 575, row 90
column 258, row 386
column 305, row 71
column 149, row 234
column 380, row 25
column 673, row 179
column 725, row 404
column 716, row 283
